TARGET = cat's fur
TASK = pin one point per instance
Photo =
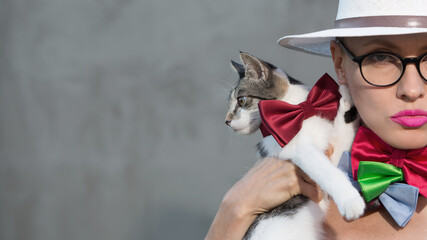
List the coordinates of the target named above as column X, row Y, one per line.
column 298, row 218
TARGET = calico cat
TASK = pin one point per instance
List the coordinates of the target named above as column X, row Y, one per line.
column 299, row 217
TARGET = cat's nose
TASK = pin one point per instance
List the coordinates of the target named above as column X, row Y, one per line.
column 228, row 122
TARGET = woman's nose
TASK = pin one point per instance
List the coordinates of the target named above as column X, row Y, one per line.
column 411, row 86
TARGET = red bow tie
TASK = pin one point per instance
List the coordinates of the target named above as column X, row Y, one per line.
column 284, row 120
column 367, row 146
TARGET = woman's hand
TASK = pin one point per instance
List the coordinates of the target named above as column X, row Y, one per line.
column 269, row 183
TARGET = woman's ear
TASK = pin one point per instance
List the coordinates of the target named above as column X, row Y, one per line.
column 338, row 61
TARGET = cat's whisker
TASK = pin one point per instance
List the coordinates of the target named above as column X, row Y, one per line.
column 220, row 91
column 227, row 83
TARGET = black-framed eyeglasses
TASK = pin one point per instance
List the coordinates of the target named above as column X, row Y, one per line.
column 383, row 69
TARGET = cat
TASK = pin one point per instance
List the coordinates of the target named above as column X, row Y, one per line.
column 299, row 217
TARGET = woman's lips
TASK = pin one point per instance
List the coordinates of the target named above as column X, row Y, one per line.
column 410, row 118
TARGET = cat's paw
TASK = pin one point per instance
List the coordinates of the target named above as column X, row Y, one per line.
column 352, row 208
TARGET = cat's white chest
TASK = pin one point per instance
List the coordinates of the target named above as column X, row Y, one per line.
column 270, row 146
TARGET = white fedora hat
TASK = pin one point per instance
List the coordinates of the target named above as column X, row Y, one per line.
column 359, row 18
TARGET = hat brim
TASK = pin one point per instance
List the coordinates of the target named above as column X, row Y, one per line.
column 317, row 43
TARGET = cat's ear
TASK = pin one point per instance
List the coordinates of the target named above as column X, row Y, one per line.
column 254, row 67
column 239, row 68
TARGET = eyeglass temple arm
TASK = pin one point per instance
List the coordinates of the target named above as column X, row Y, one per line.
column 350, row 54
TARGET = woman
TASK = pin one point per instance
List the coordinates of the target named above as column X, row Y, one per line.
column 379, row 49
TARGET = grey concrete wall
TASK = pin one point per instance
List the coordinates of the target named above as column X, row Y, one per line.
column 111, row 111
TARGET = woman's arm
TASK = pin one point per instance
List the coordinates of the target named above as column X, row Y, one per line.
column 230, row 222
column 266, row 185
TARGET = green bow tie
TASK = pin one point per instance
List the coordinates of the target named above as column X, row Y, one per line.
column 375, row 177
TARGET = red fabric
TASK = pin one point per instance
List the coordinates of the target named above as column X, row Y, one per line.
column 284, row 120
column 367, row 146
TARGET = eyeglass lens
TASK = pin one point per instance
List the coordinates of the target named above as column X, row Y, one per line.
column 383, row 69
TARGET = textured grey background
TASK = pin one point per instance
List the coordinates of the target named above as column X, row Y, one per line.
column 111, row 111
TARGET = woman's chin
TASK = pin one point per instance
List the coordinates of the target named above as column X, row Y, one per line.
column 408, row 141
column 409, row 145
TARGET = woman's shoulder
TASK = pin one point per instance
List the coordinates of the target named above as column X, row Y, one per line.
column 376, row 225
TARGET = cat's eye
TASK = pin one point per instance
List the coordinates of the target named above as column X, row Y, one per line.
column 241, row 101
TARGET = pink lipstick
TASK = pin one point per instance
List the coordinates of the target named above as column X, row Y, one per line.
column 410, row 118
